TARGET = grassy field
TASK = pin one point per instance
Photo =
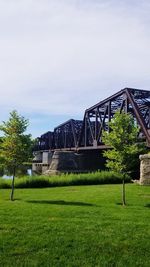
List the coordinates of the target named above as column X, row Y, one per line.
column 75, row 226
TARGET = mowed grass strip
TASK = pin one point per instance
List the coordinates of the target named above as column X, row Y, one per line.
column 75, row 226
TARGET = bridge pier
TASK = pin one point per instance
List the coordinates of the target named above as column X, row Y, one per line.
column 63, row 162
column 36, row 163
column 41, row 161
column 145, row 169
column 68, row 162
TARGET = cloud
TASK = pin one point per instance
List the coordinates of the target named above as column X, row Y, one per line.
column 60, row 57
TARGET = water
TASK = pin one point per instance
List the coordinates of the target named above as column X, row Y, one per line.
column 7, row 177
column 29, row 173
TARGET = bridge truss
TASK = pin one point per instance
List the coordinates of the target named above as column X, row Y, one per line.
column 97, row 118
column 87, row 134
column 66, row 135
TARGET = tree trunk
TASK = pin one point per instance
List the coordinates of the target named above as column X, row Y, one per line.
column 13, row 184
column 123, row 193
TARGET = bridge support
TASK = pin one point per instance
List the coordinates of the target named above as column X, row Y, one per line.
column 63, row 162
column 41, row 161
column 68, row 162
column 145, row 169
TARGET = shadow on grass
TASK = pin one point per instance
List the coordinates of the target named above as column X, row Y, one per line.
column 147, row 205
column 120, row 204
column 60, row 202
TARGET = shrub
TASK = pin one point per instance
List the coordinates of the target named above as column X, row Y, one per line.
column 94, row 178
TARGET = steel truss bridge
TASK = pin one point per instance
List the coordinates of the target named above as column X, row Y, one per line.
column 87, row 133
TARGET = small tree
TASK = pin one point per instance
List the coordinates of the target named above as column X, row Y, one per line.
column 122, row 139
column 15, row 147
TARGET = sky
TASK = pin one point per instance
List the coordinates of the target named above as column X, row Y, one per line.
column 59, row 57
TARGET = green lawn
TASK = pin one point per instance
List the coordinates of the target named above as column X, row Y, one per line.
column 75, row 226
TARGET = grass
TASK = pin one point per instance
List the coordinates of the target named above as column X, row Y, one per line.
column 99, row 177
column 75, row 226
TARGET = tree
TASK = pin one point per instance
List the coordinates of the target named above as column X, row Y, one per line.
column 1, row 159
column 15, row 147
column 122, row 138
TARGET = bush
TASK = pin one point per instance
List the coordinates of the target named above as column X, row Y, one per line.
column 94, row 178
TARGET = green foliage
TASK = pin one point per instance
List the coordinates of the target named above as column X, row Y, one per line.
column 15, row 146
column 103, row 177
column 122, row 138
column 77, row 226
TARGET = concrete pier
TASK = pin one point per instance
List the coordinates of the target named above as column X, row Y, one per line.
column 145, row 169
column 57, row 162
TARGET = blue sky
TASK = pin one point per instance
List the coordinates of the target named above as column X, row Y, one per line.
column 59, row 57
